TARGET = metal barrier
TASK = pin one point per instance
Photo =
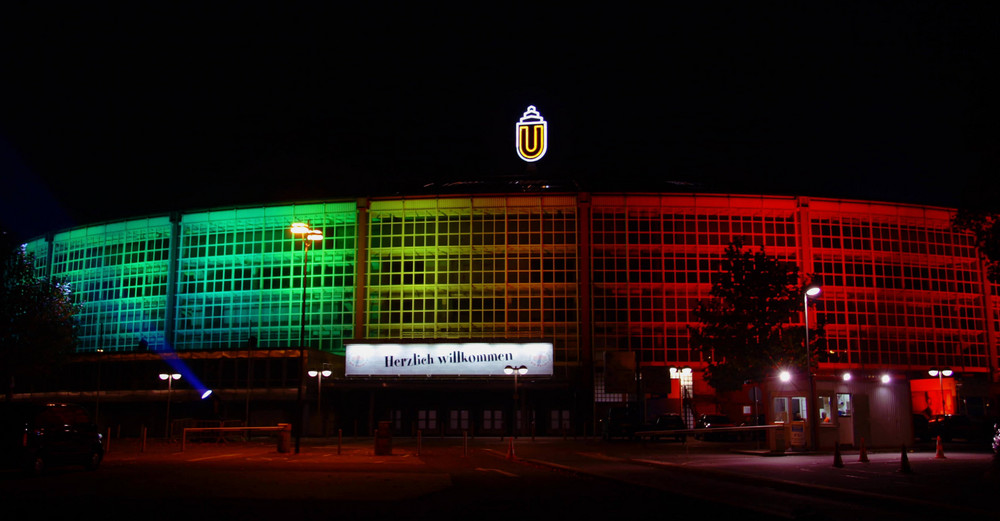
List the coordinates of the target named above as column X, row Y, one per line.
column 283, row 429
column 702, row 432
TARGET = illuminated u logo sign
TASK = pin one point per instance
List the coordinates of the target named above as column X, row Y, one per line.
column 532, row 135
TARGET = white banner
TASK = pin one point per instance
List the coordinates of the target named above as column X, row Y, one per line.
column 447, row 359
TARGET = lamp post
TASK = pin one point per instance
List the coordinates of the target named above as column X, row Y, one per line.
column 811, row 291
column 519, row 370
column 940, row 374
column 170, row 379
column 308, row 236
column 319, row 375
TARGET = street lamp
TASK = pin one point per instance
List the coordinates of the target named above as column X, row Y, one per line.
column 308, row 236
column 811, row 291
column 170, row 379
column 941, row 373
column 319, row 375
column 519, row 370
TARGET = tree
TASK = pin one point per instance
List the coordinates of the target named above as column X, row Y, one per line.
column 37, row 318
column 984, row 225
column 745, row 330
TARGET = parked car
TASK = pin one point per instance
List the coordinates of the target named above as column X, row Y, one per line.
column 958, row 426
column 36, row 435
column 751, row 421
column 921, row 428
column 621, row 422
column 714, row 421
column 666, row 422
column 996, row 439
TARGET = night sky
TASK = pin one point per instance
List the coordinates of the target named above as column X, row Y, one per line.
column 109, row 112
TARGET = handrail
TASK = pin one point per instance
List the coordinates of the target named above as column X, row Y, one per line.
column 674, row 432
column 277, row 428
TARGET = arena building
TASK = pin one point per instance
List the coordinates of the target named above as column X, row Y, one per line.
column 227, row 293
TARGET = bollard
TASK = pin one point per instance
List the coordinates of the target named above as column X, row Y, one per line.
column 905, row 463
column 340, row 439
column 284, row 437
column 510, row 449
column 465, row 443
column 383, row 439
column 420, row 439
column 837, row 461
column 863, row 455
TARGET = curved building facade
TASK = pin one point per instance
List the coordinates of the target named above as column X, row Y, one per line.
column 593, row 273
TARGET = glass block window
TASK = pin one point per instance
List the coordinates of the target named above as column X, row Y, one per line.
column 487, row 268
column 240, row 273
column 653, row 259
column 898, row 290
column 118, row 274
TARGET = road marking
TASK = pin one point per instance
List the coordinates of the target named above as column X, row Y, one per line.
column 215, row 457
column 505, row 473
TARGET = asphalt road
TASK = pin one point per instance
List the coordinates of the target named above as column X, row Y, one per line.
column 485, row 479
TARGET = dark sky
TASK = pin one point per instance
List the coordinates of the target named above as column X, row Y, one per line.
column 109, row 112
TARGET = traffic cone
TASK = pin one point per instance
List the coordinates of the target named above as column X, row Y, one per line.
column 510, row 448
column 837, row 461
column 940, row 449
column 863, row 455
column 905, row 463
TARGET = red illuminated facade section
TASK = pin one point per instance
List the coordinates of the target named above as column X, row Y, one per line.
column 902, row 291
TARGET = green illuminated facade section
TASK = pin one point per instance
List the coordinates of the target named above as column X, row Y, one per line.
column 490, row 268
column 240, row 275
column 119, row 275
column 209, row 281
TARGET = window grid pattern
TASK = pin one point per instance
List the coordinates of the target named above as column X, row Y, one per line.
column 240, row 274
column 652, row 263
column 118, row 274
column 900, row 292
column 475, row 269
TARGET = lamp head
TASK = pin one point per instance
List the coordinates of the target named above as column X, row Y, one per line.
column 813, row 291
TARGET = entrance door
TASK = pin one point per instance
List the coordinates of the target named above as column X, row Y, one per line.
column 862, row 419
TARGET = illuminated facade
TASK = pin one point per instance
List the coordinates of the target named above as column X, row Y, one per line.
column 590, row 272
